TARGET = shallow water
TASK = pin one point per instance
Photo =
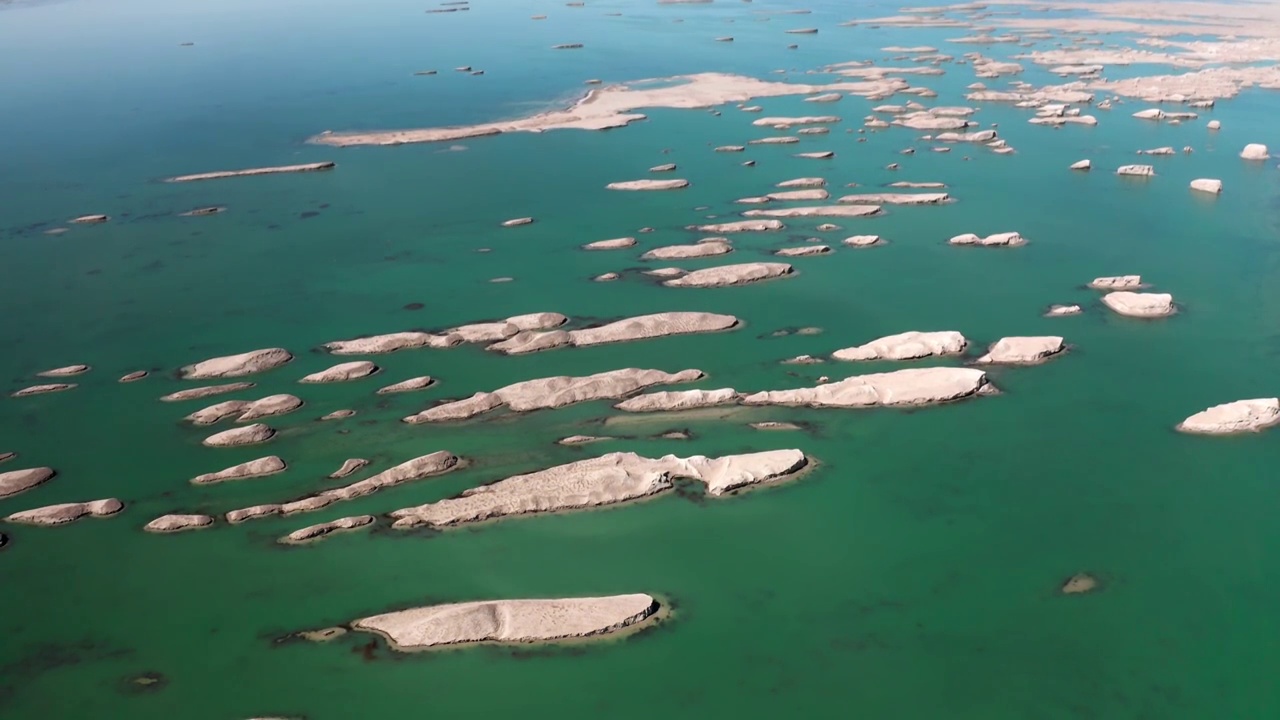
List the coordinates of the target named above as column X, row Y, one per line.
column 913, row 574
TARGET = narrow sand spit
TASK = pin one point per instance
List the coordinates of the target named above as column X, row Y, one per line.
column 67, row 512
column 309, row 167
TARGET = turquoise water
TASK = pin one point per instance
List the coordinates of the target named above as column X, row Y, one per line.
column 914, row 574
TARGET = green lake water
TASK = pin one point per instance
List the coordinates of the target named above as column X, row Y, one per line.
column 913, row 574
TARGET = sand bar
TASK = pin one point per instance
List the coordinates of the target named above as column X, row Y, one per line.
column 308, row 167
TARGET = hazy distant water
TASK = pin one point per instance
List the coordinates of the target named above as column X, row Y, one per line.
column 914, row 575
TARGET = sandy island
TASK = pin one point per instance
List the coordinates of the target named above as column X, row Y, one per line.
column 607, row 480
column 509, row 621
column 309, row 167
column 614, row 105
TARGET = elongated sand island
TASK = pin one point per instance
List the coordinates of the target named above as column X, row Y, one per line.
column 729, row 275
column 220, row 174
column 911, row 345
column 246, row 410
column 553, row 392
column 509, row 621
column 1241, row 416
column 207, row 391
column 900, row 388
column 843, row 211
column 16, row 481
column 261, row 467
column 607, row 480
column 64, row 513
column 642, row 327
column 615, row 105
column 249, row 363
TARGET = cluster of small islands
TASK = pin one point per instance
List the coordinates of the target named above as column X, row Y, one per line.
column 1212, row 71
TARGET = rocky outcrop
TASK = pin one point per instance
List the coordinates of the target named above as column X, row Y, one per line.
column 531, row 342
column 803, row 251
column 819, row 155
column 674, row 184
column 606, row 480
column 42, row 389
column 1079, row 584
column 1063, row 310
column 1006, row 239
column 269, row 406
column 847, row 211
column 412, row 384
column 251, row 513
column 419, row 468
column 1140, row 304
column 245, row 411
column 249, row 363
column 509, row 621
column 1255, row 151
column 316, row 532
column 554, row 392
column 349, row 467
column 16, row 481
column 651, row 326
column 669, row 401
column 178, row 523
column 910, row 345
column 1159, row 151
column 581, row 439
column 1023, row 350
column 740, row 226
column 64, row 513
column 642, row 327
column 67, row 371
column 925, row 386
column 134, row 376
column 342, row 372
column 775, row 122
column 207, row 391
column 666, row 167
column 1117, row 282
column 1136, row 170
column 1234, row 417
column 1081, row 165
column 337, row 415
column 780, row 140
column 896, row 199
column 703, row 248
column 90, row 219
column 798, row 195
column 730, row 148
column 863, row 241
column 308, row 167
column 248, row 435
column 7, row 456
column 261, row 467
column 1207, row 185
column 804, row 182
column 1214, row 125
column 980, row 136
column 614, row 244
column 391, row 342
column 728, row 275
column 517, row 222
